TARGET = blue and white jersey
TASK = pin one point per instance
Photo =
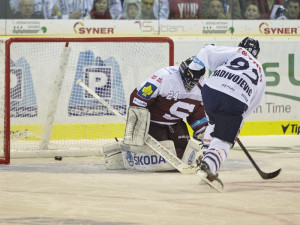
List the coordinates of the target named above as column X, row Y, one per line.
column 235, row 72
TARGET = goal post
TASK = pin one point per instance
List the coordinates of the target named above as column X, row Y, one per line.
column 44, row 112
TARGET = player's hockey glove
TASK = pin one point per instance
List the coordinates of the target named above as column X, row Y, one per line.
column 199, row 134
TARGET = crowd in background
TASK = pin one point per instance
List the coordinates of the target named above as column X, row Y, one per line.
column 151, row 9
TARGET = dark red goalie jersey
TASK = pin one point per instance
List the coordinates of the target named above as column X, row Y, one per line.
column 168, row 101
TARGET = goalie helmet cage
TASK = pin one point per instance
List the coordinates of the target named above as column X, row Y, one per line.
column 45, row 113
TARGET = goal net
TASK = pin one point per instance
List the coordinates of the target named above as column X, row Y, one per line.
column 43, row 110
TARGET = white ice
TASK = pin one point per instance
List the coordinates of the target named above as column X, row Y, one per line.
column 79, row 190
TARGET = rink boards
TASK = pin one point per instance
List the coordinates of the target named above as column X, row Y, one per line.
column 112, row 130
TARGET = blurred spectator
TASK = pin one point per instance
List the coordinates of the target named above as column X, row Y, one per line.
column 5, row 10
column 100, row 10
column 58, row 9
column 147, row 9
column 185, row 9
column 132, row 10
column 71, row 9
column 53, row 9
column 78, row 9
column 293, row 9
column 278, row 13
column 243, row 5
column 26, row 11
column 37, row 5
column 116, row 8
column 252, row 11
column 214, row 10
column 155, row 9
column 220, row 9
column 47, row 9
column 14, row 5
column 38, row 8
column 161, row 9
column 266, row 6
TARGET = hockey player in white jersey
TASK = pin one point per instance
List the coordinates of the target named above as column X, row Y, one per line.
column 232, row 92
column 162, row 102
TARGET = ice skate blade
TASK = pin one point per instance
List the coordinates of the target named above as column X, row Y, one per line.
column 216, row 185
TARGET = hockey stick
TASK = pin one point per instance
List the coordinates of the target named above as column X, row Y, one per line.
column 150, row 141
column 261, row 173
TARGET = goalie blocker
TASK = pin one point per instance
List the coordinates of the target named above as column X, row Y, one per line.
column 133, row 154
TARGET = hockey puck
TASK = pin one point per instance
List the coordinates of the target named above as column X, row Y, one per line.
column 58, row 158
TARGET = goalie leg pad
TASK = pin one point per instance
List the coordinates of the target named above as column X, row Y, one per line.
column 191, row 153
column 137, row 126
column 143, row 158
column 113, row 156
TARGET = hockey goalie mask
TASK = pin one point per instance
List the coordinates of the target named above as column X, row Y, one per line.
column 250, row 45
column 190, row 77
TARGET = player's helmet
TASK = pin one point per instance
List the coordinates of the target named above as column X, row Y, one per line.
column 190, row 77
column 250, row 45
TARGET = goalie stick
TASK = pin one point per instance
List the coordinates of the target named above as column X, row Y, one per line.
column 261, row 173
column 150, row 141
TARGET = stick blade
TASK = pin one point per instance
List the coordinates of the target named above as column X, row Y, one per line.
column 272, row 175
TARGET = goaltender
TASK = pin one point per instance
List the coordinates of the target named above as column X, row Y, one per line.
column 161, row 106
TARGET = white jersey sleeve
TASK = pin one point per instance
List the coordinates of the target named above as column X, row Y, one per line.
column 211, row 57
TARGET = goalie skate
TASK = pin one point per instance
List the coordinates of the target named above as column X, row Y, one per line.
column 212, row 180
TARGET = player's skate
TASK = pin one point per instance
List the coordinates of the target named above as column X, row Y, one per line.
column 204, row 172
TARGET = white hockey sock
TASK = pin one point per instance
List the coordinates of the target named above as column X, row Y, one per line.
column 216, row 154
column 207, row 137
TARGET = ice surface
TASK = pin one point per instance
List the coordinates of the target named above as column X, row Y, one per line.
column 79, row 190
